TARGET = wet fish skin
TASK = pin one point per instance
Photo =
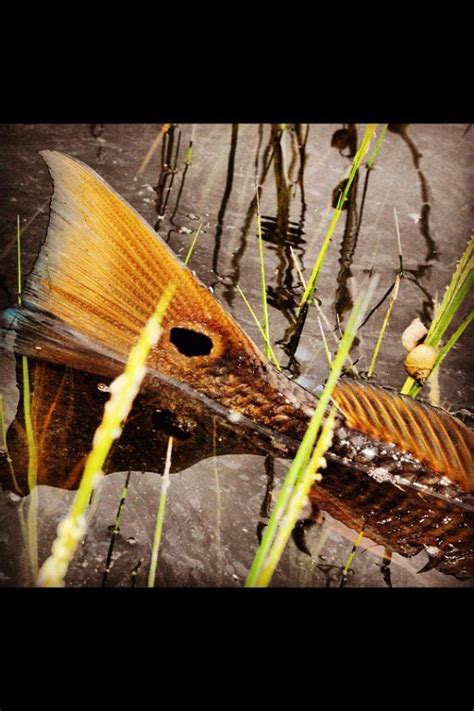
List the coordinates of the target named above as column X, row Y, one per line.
column 404, row 517
column 359, row 486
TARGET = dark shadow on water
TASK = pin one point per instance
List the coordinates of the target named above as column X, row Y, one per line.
column 302, row 138
column 285, row 235
column 423, row 268
column 115, row 531
column 235, row 266
column 96, row 131
column 265, row 508
column 225, row 197
column 183, row 179
column 168, row 163
column 346, row 138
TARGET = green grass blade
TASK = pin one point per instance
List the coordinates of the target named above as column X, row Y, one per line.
column 384, row 326
column 263, row 281
column 351, row 556
column 30, row 435
column 165, row 483
column 413, row 387
column 32, row 517
column 271, row 352
column 189, row 153
column 323, row 316
column 377, row 147
column 123, row 392
column 325, row 343
column 297, row 500
column 460, row 285
column 313, row 280
column 466, row 322
column 193, row 244
column 302, row 457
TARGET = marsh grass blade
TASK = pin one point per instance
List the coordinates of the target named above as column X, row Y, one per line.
column 313, row 280
column 263, row 281
column 459, row 287
column 165, row 483
column 32, row 515
column 123, row 392
column 271, row 352
column 300, row 475
column 192, row 245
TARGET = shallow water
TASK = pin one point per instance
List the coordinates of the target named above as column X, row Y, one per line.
column 424, row 171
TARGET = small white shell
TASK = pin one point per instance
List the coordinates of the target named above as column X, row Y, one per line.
column 420, row 361
column 413, row 334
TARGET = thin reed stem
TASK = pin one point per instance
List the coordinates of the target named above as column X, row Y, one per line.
column 123, row 392
column 165, row 483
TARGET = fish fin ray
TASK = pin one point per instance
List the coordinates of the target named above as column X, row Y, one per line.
column 103, row 269
column 432, row 435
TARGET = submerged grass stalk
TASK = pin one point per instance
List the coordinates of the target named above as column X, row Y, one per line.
column 296, row 473
column 116, row 528
column 123, row 392
column 192, row 245
column 32, row 516
column 391, row 303
column 32, row 531
column 30, row 435
column 165, row 483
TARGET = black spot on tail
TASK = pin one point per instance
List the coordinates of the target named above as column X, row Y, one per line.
column 190, row 343
column 167, row 422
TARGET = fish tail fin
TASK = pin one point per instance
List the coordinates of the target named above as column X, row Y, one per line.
column 101, row 272
column 433, row 436
column 96, row 245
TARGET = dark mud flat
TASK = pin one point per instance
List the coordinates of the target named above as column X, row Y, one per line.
column 214, row 507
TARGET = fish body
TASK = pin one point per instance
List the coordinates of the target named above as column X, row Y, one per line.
column 400, row 469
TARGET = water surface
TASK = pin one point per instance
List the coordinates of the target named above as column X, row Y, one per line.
column 206, row 175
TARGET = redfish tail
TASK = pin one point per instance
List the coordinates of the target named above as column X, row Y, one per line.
column 437, row 439
column 100, row 274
